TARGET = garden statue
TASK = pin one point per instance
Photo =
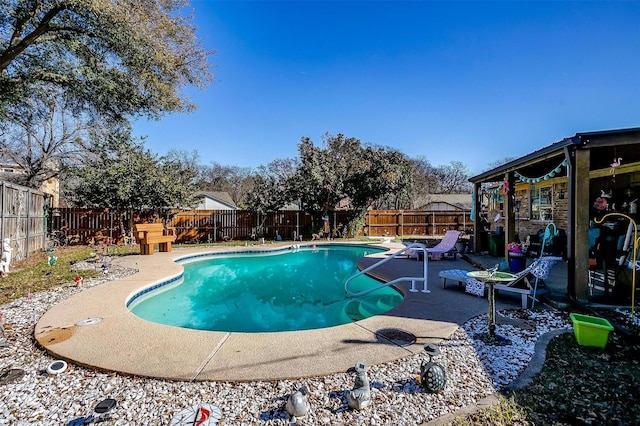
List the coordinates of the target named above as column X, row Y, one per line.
column 79, row 281
column 433, row 378
column 5, row 260
column 360, row 396
column 297, row 404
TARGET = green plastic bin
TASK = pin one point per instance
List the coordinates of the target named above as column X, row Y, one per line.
column 591, row 331
column 496, row 245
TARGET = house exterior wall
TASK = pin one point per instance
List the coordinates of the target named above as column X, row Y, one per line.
column 441, row 206
column 50, row 186
column 527, row 222
column 211, row 204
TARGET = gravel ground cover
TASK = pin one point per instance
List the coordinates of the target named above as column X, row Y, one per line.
column 474, row 370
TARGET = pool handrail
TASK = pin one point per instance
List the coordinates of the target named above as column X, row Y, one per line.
column 414, row 246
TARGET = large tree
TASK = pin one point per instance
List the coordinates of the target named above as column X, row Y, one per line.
column 111, row 58
column 42, row 140
column 273, row 186
column 452, row 178
column 381, row 175
column 121, row 174
column 424, row 182
column 235, row 180
column 344, row 168
column 324, row 171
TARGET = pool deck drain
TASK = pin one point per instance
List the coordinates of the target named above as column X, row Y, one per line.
column 396, row 337
column 127, row 344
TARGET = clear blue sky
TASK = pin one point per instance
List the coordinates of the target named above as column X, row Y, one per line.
column 468, row 81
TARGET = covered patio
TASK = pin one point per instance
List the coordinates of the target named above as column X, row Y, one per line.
column 590, row 180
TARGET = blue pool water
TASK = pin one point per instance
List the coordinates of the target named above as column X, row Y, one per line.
column 267, row 292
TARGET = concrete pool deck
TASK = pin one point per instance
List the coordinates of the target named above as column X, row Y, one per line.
column 122, row 342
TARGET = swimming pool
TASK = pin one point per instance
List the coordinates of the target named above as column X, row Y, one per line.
column 279, row 290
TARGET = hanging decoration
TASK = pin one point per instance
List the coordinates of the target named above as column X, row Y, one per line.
column 494, row 191
column 601, row 204
column 546, row 176
column 495, row 194
column 472, row 214
column 505, row 187
column 617, row 161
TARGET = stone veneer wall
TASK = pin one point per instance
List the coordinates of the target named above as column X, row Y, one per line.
column 526, row 226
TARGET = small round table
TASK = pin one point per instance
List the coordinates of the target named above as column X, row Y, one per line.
column 490, row 278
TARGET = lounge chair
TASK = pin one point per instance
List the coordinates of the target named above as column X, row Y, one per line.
column 524, row 284
column 446, row 246
column 414, row 253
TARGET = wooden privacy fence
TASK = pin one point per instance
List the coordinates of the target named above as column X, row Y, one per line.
column 211, row 226
column 220, row 225
column 417, row 222
column 90, row 226
column 22, row 219
column 86, row 226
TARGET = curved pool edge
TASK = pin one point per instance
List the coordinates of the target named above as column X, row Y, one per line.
column 363, row 309
column 124, row 343
column 263, row 249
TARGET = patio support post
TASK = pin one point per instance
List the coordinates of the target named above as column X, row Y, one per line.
column 569, row 156
column 580, row 225
column 477, row 225
column 509, row 217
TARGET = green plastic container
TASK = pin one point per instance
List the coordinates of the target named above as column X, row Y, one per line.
column 591, row 331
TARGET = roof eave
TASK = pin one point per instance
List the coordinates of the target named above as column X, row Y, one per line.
column 546, row 152
column 595, row 138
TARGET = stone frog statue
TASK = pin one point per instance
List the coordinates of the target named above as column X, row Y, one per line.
column 5, row 259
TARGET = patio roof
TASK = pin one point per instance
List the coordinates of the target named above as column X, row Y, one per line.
column 545, row 158
column 586, row 157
